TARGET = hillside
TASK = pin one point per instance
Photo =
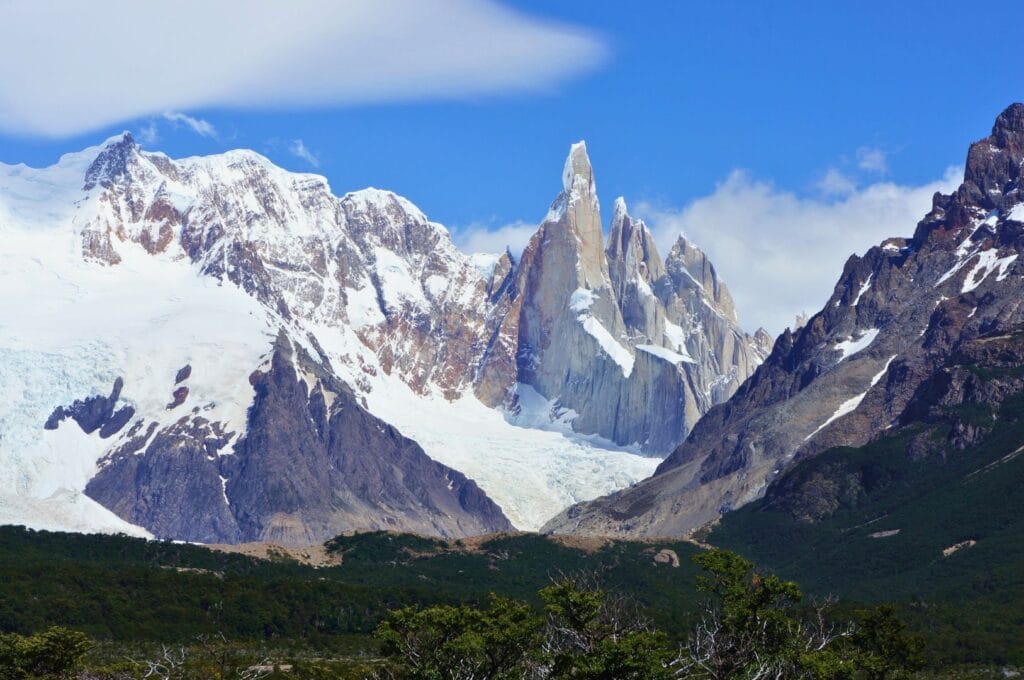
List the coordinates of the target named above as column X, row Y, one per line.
column 929, row 512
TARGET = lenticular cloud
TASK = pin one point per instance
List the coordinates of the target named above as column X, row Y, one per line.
column 81, row 66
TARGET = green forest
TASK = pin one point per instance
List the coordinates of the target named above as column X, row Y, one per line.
column 115, row 606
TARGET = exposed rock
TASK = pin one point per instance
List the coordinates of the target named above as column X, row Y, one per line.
column 889, row 533
column 117, row 420
column 883, row 349
column 183, row 374
column 667, row 556
column 178, row 397
column 969, row 543
column 90, row 413
column 623, row 339
column 311, row 465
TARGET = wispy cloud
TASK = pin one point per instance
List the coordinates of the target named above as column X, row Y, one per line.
column 308, row 53
column 299, row 149
column 835, row 183
column 483, row 238
column 203, row 128
column 872, row 160
column 148, row 134
column 781, row 253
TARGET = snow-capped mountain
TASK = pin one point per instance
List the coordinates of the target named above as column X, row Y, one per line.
column 899, row 315
column 634, row 348
column 215, row 349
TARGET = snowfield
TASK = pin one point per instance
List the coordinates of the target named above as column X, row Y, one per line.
column 532, row 474
column 70, row 328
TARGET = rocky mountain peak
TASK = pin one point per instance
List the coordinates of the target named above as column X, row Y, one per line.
column 690, row 268
column 850, row 373
column 631, row 251
column 1009, row 123
column 113, row 161
column 578, row 174
column 993, row 168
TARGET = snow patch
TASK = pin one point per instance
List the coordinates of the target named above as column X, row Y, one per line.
column 224, row 489
column 531, row 473
column 852, row 403
column 1017, row 213
column 666, row 354
column 676, row 337
column 610, row 345
column 986, row 264
column 581, row 300
column 848, row 348
column 865, row 287
column 485, row 263
column 363, row 309
column 436, row 285
column 397, row 283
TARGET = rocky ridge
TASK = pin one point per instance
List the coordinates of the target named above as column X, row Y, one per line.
column 896, row 315
column 623, row 340
column 288, row 305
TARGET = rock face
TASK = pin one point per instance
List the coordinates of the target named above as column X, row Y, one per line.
column 853, row 369
column 623, row 340
column 556, row 320
column 256, row 275
column 955, row 409
column 312, row 460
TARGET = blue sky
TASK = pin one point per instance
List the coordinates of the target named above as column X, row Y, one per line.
column 816, row 102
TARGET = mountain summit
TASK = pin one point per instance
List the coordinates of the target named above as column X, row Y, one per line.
column 222, row 351
column 852, row 373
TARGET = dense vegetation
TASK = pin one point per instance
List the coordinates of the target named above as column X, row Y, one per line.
column 912, row 518
column 753, row 628
column 116, row 588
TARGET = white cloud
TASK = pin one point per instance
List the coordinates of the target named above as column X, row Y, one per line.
column 835, row 183
column 299, row 150
column 780, row 253
column 479, row 238
column 148, row 134
column 872, row 160
column 82, row 65
column 203, row 128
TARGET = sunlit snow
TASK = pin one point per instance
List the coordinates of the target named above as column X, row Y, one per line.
column 852, row 403
column 849, row 347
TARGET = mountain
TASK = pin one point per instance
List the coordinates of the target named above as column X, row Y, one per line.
column 921, row 511
column 618, row 338
column 857, row 371
column 214, row 349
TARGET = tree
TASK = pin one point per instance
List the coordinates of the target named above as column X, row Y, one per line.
column 756, row 627
column 595, row 636
column 461, row 643
column 52, row 653
column 887, row 649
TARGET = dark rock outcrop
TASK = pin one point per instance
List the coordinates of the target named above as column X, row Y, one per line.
column 312, row 464
column 92, row 413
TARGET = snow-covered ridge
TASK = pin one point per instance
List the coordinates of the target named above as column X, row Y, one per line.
column 120, row 263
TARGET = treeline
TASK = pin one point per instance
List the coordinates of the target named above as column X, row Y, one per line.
column 116, row 588
column 752, row 627
column 131, row 596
